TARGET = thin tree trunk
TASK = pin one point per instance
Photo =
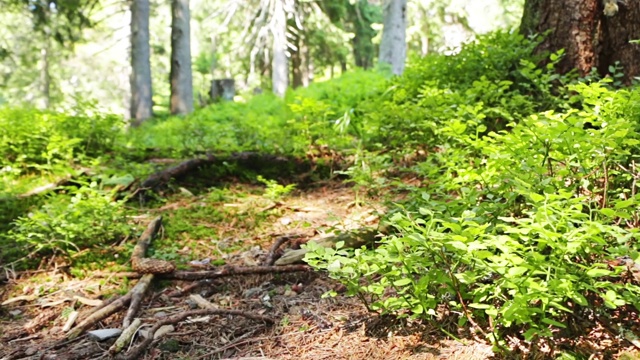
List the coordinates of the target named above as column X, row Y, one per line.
column 280, row 63
column 296, row 62
column 45, row 75
column 181, row 74
column 393, row 46
column 141, row 102
column 307, row 67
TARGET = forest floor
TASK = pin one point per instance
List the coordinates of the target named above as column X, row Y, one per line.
column 237, row 226
column 309, row 325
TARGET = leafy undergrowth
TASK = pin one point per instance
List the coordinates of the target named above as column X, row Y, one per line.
column 236, row 226
column 506, row 194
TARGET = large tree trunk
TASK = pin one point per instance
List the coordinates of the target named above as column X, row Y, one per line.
column 181, row 75
column 280, row 63
column 141, row 103
column 393, row 46
column 590, row 38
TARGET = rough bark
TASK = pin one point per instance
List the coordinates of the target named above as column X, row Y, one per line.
column 393, row 46
column 141, row 103
column 590, row 38
column 181, row 75
column 280, row 63
column 297, row 61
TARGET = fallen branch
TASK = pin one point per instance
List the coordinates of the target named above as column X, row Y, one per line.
column 351, row 239
column 225, row 271
column 125, row 337
column 51, row 186
column 271, row 256
column 233, row 270
column 146, row 265
column 136, row 352
column 163, row 177
column 99, row 315
column 189, row 288
column 248, row 160
column 137, row 294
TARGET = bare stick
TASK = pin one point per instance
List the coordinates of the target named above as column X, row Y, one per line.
column 187, row 289
column 137, row 293
column 99, row 315
column 234, row 270
column 125, row 337
column 147, row 265
column 145, row 239
column 136, row 352
column 271, row 256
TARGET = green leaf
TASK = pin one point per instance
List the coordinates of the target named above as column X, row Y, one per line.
column 479, row 306
column 334, row 266
column 536, row 197
column 402, row 282
column 608, row 212
column 517, row 271
column 624, row 203
column 597, row 272
column 554, row 323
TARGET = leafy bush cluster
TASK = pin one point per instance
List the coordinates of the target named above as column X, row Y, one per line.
column 34, row 140
column 514, row 225
column 264, row 123
column 87, row 218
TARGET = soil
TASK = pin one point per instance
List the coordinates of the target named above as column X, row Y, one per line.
column 308, row 324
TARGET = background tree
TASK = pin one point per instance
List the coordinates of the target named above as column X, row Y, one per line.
column 591, row 39
column 393, row 46
column 141, row 91
column 280, row 62
column 357, row 18
column 181, row 75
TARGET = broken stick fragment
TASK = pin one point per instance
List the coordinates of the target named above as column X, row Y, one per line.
column 352, row 239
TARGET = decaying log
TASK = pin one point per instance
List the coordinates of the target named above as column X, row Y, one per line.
column 163, row 177
column 226, row 271
column 136, row 352
column 352, row 239
column 260, row 163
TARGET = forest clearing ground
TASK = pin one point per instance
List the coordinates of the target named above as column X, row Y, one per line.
column 309, row 326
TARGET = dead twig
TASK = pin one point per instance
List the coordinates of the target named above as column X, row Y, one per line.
column 271, row 256
column 99, row 315
column 137, row 293
column 136, row 352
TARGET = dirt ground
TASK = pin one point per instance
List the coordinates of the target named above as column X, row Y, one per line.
column 308, row 325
